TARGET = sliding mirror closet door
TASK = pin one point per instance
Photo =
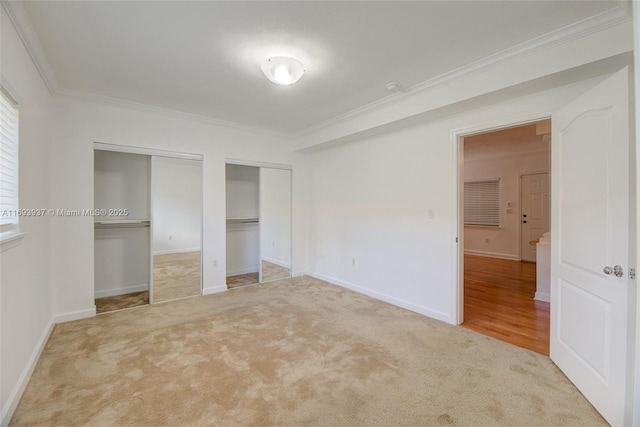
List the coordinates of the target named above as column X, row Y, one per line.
column 121, row 230
column 275, row 224
column 176, row 200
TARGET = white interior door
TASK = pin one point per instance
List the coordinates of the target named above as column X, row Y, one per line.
column 534, row 200
column 590, row 232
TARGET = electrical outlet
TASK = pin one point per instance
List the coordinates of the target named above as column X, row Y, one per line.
column 215, row 263
column 431, row 213
column 170, row 237
column 353, row 261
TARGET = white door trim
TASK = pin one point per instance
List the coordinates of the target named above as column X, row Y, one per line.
column 457, row 139
column 241, row 162
column 636, row 387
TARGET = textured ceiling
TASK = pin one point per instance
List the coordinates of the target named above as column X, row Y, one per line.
column 204, row 57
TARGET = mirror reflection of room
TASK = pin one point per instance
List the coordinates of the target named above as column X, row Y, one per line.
column 275, row 224
column 176, row 206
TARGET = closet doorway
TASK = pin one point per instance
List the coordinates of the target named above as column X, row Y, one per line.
column 258, row 208
column 148, row 226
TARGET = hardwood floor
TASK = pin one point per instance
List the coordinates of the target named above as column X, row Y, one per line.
column 498, row 301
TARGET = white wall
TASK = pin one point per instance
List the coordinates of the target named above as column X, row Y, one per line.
column 177, row 204
column 370, row 229
column 504, row 241
column 80, row 123
column 121, row 181
column 243, row 191
column 121, row 261
column 26, row 312
column 275, row 216
column 243, row 249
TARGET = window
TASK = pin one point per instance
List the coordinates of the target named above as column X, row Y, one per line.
column 482, row 203
column 8, row 162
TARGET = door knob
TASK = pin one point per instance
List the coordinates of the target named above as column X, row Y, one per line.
column 616, row 270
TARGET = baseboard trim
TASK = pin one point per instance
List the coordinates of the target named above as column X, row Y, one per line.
column 300, row 273
column 492, row 255
column 18, row 390
column 438, row 315
column 121, row 291
column 542, row 296
column 75, row 315
column 176, row 251
column 276, row 262
column 214, row 290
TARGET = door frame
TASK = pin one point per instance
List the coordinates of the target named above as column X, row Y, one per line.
column 260, row 165
column 457, row 138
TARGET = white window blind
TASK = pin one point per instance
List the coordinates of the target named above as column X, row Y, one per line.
column 482, row 203
column 8, row 162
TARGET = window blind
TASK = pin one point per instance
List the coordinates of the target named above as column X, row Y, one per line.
column 8, row 162
column 482, row 203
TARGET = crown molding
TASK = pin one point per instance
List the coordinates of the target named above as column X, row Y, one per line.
column 585, row 27
column 18, row 16
column 137, row 106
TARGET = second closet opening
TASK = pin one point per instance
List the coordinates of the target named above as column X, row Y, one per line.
column 258, row 211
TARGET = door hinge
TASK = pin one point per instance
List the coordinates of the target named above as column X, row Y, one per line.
column 632, row 273
column 456, row 240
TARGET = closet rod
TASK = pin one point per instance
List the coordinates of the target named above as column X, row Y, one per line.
column 248, row 220
column 128, row 224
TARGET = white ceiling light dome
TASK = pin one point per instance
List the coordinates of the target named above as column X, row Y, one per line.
column 283, row 70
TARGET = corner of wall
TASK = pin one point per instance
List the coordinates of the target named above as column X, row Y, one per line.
column 434, row 314
column 25, row 376
column 75, row 315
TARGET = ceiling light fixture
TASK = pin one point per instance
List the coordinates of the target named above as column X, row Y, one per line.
column 283, row 70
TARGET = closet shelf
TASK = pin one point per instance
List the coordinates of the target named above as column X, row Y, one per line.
column 126, row 223
column 243, row 220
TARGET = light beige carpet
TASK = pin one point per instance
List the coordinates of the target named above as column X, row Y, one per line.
column 296, row 352
column 176, row 275
column 271, row 271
